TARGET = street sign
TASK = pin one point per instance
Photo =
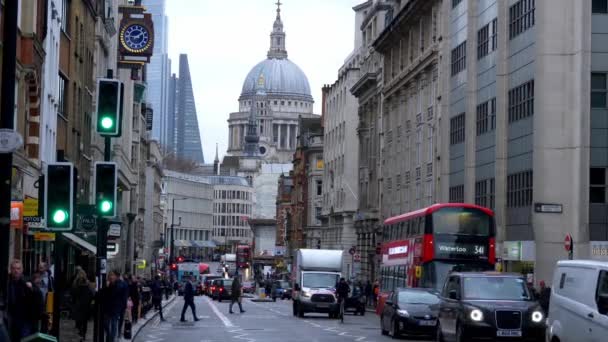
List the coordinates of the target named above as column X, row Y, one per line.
column 568, row 242
column 352, row 250
column 87, row 222
column 551, row 208
column 112, row 249
column 44, row 236
column 41, row 224
column 30, row 208
column 357, row 257
column 10, row 140
column 114, row 230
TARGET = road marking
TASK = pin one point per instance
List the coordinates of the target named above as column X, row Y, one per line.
column 219, row 315
column 360, row 338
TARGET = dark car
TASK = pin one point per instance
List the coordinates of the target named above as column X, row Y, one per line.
column 489, row 306
column 410, row 311
column 222, row 289
column 281, row 289
column 206, row 282
column 356, row 301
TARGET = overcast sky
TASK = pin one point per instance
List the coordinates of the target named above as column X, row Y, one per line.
column 225, row 39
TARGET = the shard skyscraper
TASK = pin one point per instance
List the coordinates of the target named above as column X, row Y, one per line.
column 187, row 134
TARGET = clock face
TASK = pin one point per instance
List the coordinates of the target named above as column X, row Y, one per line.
column 136, row 38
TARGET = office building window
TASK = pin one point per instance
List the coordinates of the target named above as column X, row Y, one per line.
column 456, row 3
column 521, row 101
column 457, row 129
column 65, row 16
column 459, row 58
column 456, row 193
column 483, row 42
column 598, row 90
column 519, row 189
column 484, row 193
column 419, row 137
column 494, row 34
column 521, row 17
column 598, row 185
column 599, row 6
column 486, row 117
column 319, row 188
column 63, row 94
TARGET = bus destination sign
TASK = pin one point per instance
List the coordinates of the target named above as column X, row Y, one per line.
column 459, row 249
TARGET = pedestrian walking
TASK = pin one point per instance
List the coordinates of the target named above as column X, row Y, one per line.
column 112, row 299
column 544, row 296
column 47, row 286
column 236, row 294
column 123, row 295
column 157, row 296
column 369, row 292
column 20, row 296
column 268, row 288
column 135, row 296
column 376, row 292
column 188, row 300
column 82, row 296
column 37, row 310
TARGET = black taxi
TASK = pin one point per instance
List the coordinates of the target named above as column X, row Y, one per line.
column 489, row 306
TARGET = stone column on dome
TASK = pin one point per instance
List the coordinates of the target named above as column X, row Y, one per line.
column 279, row 139
column 288, row 136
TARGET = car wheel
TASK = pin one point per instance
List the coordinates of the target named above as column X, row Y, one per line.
column 274, row 299
column 384, row 332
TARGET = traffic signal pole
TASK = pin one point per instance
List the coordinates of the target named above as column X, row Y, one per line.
column 7, row 110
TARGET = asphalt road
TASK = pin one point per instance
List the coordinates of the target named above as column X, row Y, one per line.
column 263, row 322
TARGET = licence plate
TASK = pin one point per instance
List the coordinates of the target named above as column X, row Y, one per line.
column 428, row 323
column 323, row 305
column 509, row 333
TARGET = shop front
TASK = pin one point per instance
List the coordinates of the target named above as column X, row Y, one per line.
column 519, row 257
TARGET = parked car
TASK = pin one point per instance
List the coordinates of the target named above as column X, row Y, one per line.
column 206, row 282
column 410, row 311
column 222, row 289
column 356, row 301
column 490, row 306
column 248, row 287
column 578, row 309
column 281, row 289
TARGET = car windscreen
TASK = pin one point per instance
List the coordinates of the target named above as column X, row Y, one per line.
column 320, row 280
column 417, row 297
column 284, row 284
column 495, row 288
column 227, row 282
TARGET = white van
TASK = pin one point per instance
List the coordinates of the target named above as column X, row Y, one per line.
column 578, row 309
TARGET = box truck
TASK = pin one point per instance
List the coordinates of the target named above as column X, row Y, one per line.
column 316, row 273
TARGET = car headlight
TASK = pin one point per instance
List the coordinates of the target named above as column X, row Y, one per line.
column 306, row 294
column 403, row 313
column 537, row 316
column 476, row 315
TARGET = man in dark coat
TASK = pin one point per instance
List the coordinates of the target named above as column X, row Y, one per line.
column 235, row 296
column 188, row 300
column 135, row 296
column 157, row 296
column 369, row 292
column 112, row 299
column 20, row 300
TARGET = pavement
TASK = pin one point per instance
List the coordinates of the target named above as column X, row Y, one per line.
column 262, row 321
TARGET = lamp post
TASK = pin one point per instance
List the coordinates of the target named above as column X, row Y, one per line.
column 171, row 247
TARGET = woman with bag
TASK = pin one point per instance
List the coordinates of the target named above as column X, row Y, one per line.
column 128, row 319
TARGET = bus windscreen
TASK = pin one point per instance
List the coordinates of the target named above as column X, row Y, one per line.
column 463, row 221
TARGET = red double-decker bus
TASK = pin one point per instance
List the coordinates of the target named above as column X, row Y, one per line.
column 243, row 256
column 421, row 247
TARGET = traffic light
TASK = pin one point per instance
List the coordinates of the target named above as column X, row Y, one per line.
column 173, row 267
column 59, row 196
column 108, row 107
column 180, row 259
column 105, row 189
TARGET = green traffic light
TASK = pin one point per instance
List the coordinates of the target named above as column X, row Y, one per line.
column 105, row 206
column 107, row 123
column 60, row 216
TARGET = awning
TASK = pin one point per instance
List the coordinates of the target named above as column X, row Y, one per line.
column 205, row 243
column 182, row 243
column 80, row 242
